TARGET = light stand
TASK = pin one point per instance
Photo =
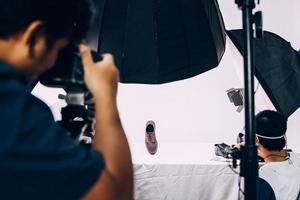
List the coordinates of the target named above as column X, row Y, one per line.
column 249, row 162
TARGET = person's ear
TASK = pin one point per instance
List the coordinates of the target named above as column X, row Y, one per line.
column 34, row 37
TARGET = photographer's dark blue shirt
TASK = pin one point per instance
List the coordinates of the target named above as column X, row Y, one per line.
column 38, row 160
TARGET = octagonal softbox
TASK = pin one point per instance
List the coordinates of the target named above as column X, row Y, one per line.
column 159, row 41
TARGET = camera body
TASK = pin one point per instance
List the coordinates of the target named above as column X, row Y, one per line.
column 67, row 73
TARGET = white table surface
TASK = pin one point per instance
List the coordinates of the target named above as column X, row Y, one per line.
column 182, row 171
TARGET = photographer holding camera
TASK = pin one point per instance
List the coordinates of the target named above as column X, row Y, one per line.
column 38, row 159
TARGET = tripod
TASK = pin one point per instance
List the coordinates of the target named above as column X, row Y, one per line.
column 78, row 117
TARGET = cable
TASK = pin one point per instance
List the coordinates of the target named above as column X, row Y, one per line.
column 232, row 169
column 240, row 189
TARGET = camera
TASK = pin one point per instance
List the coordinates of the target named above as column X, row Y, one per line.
column 67, row 73
column 227, row 151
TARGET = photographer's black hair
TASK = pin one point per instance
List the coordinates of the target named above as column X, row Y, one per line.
column 60, row 18
column 271, row 124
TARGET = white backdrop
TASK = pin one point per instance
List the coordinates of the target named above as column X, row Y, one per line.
column 198, row 109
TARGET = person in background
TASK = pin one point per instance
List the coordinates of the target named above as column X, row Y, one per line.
column 281, row 169
column 38, row 159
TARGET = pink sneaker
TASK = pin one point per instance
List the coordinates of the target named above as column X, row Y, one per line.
column 150, row 139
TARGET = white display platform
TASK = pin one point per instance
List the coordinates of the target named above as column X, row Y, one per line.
column 182, row 171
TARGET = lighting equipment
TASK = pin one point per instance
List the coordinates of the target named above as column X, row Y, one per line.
column 156, row 41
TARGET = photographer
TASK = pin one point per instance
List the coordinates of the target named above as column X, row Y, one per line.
column 281, row 169
column 38, row 159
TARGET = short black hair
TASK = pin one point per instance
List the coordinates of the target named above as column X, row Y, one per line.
column 271, row 124
column 61, row 18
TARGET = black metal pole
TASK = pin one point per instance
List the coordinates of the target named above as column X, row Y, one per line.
column 249, row 163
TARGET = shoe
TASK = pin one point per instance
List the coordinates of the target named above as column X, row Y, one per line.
column 150, row 139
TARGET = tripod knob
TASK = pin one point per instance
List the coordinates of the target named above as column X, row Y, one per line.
column 73, row 98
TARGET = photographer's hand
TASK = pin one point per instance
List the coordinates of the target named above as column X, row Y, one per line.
column 116, row 181
column 239, row 145
column 100, row 77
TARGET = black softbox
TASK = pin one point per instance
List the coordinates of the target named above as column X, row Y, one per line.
column 277, row 68
column 159, row 41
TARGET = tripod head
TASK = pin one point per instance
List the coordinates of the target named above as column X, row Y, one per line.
column 257, row 18
column 78, row 116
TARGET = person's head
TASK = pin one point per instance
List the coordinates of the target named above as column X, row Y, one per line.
column 270, row 130
column 32, row 32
